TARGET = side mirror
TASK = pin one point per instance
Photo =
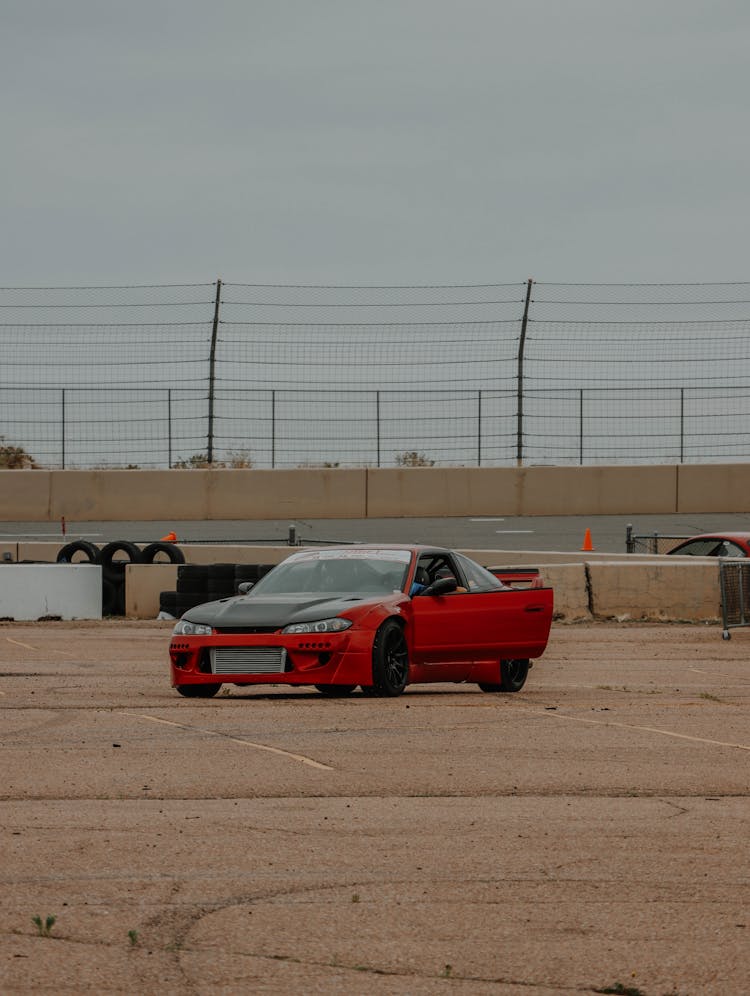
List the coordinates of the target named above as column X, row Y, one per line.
column 244, row 587
column 443, row 586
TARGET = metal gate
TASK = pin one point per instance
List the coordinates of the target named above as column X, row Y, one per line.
column 735, row 595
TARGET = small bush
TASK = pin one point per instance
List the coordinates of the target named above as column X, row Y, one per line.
column 15, row 457
column 411, row 458
column 237, row 459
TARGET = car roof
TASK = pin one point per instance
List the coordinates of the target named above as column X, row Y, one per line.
column 411, row 547
column 734, row 535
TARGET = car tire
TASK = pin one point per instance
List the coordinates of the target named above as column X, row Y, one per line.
column 513, row 674
column 192, row 579
column 91, row 554
column 131, row 551
column 198, row 691
column 160, row 553
column 168, row 602
column 335, row 691
column 390, row 660
column 110, row 598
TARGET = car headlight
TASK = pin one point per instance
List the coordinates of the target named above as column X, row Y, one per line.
column 185, row 628
column 321, row 626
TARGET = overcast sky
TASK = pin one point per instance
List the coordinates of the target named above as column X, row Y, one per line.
column 374, row 141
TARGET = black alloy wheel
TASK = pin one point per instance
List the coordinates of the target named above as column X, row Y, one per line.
column 390, row 660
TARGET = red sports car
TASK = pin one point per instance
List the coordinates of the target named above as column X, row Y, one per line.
column 714, row 545
column 378, row 617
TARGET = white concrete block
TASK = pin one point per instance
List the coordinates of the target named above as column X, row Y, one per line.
column 33, row 591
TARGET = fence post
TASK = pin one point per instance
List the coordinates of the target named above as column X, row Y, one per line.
column 273, row 429
column 169, row 428
column 211, row 376
column 479, row 427
column 62, row 430
column 521, row 346
column 580, row 427
column 377, row 425
column 682, row 425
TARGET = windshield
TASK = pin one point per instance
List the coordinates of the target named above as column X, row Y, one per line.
column 368, row 572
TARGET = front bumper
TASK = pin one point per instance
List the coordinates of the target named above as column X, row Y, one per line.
column 304, row 659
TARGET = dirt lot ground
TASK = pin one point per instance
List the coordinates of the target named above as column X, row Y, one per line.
column 589, row 834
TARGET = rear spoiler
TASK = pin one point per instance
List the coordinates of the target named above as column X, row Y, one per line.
column 518, row 577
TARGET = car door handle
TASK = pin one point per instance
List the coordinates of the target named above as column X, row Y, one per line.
column 534, row 608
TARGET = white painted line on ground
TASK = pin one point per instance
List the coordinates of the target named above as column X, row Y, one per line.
column 236, row 740
column 649, row 729
column 498, row 519
column 514, row 530
column 57, row 537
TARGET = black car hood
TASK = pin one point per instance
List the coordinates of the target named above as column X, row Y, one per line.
column 273, row 610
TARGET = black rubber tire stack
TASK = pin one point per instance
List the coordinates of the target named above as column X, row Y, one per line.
column 168, row 602
column 220, row 581
column 198, row 583
column 249, row 572
column 192, row 587
column 114, row 558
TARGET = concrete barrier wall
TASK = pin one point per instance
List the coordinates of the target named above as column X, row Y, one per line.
column 673, row 592
column 587, row 585
column 719, row 488
column 335, row 493
column 431, row 491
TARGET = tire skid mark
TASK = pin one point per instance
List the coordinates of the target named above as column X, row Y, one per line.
column 49, row 650
column 649, row 729
column 235, row 740
column 718, row 674
column 18, row 643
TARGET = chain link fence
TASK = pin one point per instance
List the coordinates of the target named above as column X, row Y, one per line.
column 287, row 376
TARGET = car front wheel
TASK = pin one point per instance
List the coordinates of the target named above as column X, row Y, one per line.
column 198, row 691
column 335, row 691
column 513, row 676
column 390, row 660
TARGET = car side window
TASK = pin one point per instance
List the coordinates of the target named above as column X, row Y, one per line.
column 730, row 549
column 477, row 578
column 698, row 548
column 433, row 566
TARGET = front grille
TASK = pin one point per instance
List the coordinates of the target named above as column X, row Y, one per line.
column 248, row 660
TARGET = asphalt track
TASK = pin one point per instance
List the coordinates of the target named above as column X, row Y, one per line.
column 553, row 533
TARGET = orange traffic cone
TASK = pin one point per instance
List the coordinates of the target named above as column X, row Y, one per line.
column 169, row 538
column 587, row 544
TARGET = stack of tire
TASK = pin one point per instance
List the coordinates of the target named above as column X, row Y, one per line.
column 113, row 558
column 198, row 583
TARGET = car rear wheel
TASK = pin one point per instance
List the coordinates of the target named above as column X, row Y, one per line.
column 390, row 660
column 513, row 676
column 198, row 691
column 335, row 691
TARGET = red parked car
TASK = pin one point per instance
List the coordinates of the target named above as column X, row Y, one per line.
column 714, row 545
column 378, row 617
